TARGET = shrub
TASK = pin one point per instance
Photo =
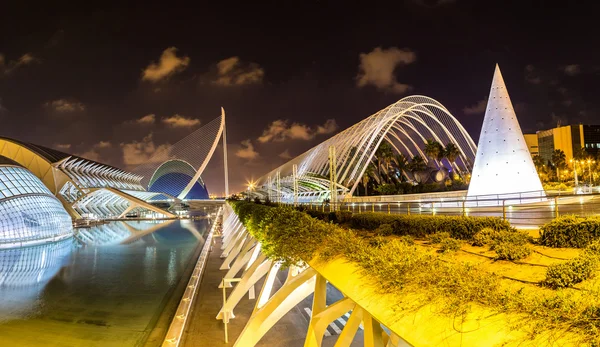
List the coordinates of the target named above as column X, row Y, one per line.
column 324, row 216
column 570, row 272
column 462, row 228
column 511, row 251
column 512, row 236
column 384, row 230
column 570, row 231
column 438, row 237
column 484, row 237
column 407, row 239
column 450, row 245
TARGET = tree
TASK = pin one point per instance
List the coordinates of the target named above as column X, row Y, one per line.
column 384, row 155
column 433, row 149
column 417, row 164
column 365, row 179
column 451, row 152
column 400, row 164
column 538, row 162
column 367, row 175
column 559, row 160
column 578, row 153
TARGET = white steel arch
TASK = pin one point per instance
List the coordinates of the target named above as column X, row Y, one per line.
column 405, row 124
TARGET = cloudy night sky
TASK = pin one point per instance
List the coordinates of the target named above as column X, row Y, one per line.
column 115, row 84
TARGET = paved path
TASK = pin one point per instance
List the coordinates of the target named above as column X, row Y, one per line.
column 204, row 330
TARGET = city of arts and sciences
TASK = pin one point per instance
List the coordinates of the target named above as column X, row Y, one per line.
column 403, row 229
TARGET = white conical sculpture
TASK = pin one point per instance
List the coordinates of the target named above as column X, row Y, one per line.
column 503, row 165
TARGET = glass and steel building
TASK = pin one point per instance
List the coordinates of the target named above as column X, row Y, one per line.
column 29, row 212
column 85, row 188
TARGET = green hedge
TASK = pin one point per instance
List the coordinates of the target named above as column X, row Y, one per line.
column 420, row 226
column 570, row 231
column 338, row 217
column 400, row 267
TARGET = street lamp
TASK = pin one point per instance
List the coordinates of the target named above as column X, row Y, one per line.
column 590, row 169
column 575, row 171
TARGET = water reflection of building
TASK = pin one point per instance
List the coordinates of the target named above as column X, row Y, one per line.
column 29, row 212
column 25, row 271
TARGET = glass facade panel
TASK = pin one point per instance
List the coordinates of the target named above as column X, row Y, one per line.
column 28, row 210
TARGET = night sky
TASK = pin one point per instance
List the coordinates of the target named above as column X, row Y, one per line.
column 115, row 83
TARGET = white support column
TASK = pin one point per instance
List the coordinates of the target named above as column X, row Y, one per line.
column 225, row 168
column 257, row 271
column 234, row 251
column 243, row 259
column 295, row 178
column 278, row 192
column 280, row 303
column 332, row 177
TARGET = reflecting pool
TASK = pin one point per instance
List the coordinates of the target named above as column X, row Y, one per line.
column 106, row 287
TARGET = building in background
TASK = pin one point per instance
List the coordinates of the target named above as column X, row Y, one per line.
column 570, row 139
column 532, row 144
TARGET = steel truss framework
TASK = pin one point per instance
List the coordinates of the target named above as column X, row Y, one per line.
column 83, row 186
column 242, row 254
column 405, row 125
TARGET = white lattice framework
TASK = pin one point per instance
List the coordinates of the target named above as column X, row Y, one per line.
column 405, row 125
column 242, row 254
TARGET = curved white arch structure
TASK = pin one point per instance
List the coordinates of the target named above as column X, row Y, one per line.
column 405, row 124
column 206, row 158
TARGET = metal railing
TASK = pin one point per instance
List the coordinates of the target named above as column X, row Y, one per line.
column 518, row 209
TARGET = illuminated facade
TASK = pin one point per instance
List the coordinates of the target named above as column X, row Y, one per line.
column 84, row 187
column 532, row 144
column 405, row 125
column 29, row 212
column 503, row 166
column 570, row 139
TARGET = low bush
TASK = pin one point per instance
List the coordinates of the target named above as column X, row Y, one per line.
column 462, row 228
column 570, row 231
column 484, row 237
column 571, row 272
column 438, row 237
column 450, row 245
column 509, row 244
column 384, row 230
column 338, row 217
column 511, row 251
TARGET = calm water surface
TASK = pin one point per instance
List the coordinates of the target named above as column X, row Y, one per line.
column 106, row 287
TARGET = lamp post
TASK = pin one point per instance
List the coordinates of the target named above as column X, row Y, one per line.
column 590, row 170
column 575, row 171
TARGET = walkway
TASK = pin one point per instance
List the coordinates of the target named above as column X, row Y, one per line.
column 204, row 329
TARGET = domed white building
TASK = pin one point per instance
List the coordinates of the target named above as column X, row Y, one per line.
column 29, row 212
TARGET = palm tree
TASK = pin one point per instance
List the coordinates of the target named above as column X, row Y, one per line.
column 384, row 155
column 451, row 152
column 417, row 164
column 367, row 175
column 538, row 162
column 400, row 164
column 559, row 160
column 365, row 180
column 432, row 148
